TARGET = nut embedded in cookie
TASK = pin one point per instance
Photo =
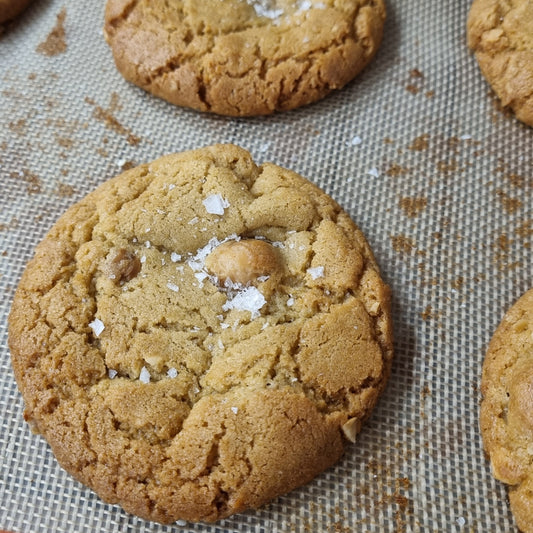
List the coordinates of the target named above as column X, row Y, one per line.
column 122, row 265
column 191, row 359
column 243, row 261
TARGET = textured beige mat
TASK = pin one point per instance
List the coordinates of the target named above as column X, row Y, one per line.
column 416, row 150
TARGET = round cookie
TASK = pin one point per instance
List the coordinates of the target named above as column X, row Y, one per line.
column 507, row 407
column 200, row 334
column 500, row 32
column 11, row 8
column 243, row 57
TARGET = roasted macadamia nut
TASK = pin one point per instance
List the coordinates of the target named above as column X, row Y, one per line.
column 243, row 261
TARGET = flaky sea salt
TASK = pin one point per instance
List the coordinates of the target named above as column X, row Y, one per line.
column 174, row 257
column 263, row 8
column 144, row 376
column 290, row 302
column 172, row 373
column 374, row 172
column 356, row 141
column 181, row 523
column 316, row 272
column 234, row 410
column 215, row 204
column 172, row 286
column 249, row 299
column 201, row 276
column 111, row 373
column 97, row 326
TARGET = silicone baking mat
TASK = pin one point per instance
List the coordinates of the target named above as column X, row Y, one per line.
column 416, row 149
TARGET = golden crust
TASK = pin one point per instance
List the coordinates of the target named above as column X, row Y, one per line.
column 243, row 58
column 175, row 394
column 500, row 32
column 506, row 417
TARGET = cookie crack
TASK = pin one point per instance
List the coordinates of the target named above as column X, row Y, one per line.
column 124, row 14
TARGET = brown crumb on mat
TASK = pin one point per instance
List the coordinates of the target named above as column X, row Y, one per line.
column 33, row 181
column 421, row 143
column 458, row 282
column 110, row 121
column 509, row 204
column 55, row 43
column 64, row 190
column 413, row 206
column 396, row 170
column 403, row 244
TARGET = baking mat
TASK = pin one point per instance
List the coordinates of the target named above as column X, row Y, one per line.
column 416, row 149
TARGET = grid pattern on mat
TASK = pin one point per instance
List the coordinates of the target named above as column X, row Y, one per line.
column 441, row 185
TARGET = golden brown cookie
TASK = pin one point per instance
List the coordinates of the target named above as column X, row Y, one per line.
column 200, row 334
column 500, row 32
column 11, row 8
column 507, row 407
column 243, row 57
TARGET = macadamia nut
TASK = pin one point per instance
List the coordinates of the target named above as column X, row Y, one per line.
column 243, row 261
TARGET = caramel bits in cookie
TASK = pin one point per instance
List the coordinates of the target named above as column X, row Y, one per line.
column 243, row 261
column 122, row 265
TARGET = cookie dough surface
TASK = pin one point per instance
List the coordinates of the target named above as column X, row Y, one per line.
column 11, row 8
column 200, row 334
column 243, row 57
column 500, row 32
column 507, row 407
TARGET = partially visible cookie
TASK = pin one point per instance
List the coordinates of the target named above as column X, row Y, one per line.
column 500, row 32
column 11, row 8
column 200, row 334
column 507, row 407
column 243, row 57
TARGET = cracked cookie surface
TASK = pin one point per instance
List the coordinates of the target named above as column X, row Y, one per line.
column 507, row 407
column 243, row 57
column 500, row 32
column 200, row 334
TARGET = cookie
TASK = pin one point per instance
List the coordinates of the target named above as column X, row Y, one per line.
column 200, row 334
column 9, row 9
column 500, row 32
column 507, row 407
column 243, row 57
